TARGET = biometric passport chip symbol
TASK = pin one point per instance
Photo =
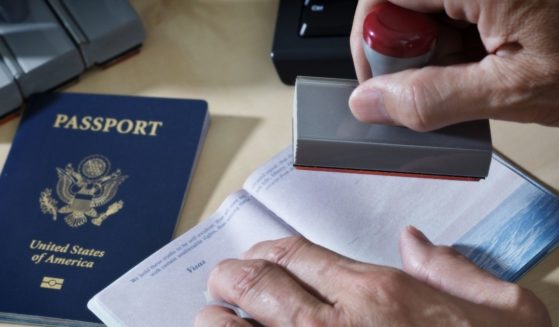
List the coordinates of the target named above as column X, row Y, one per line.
column 52, row 283
column 84, row 191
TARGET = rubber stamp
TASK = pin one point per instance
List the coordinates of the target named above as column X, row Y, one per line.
column 326, row 136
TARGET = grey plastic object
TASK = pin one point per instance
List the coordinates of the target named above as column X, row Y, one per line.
column 10, row 98
column 103, row 29
column 382, row 64
column 35, row 47
column 13, row 11
column 326, row 135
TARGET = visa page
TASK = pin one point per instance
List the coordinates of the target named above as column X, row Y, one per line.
column 167, row 289
column 361, row 216
column 503, row 223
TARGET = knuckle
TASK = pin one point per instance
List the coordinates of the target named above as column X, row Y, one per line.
column 250, row 277
column 245, row 281
column 283, row 251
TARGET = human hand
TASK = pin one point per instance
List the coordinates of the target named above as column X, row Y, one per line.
column 292, row 282
column 514, row 77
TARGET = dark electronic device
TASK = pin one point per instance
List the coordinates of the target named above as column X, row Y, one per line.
column 312, row 39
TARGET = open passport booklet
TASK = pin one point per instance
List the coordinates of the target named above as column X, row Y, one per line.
column 505, row 224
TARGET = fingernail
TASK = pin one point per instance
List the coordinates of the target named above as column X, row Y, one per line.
column 367, row 105
column 418, row 235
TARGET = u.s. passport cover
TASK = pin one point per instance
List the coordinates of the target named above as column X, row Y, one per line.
column 92, row 185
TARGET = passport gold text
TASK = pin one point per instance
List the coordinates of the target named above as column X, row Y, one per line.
column 108, row 124
column 66, row 248
column 64, row 254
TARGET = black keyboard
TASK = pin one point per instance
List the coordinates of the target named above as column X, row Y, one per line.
column 327, row 18
column 312, row 39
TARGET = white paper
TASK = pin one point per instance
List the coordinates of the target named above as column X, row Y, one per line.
column 361, row 216
column 167, row 289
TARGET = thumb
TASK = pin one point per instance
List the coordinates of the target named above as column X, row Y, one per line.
column 447, row 270
column 431, row 97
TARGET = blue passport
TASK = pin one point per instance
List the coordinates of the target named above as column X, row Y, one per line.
column 92, row 185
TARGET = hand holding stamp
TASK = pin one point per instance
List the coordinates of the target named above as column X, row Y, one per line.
column 396, row 39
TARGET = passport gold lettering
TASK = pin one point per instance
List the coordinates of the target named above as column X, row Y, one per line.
column 76, row 249
column 38, row 258
column 40, row 245
column 86, row 123
column 66, row 248
column 140, row 127
column 82, row 253
column 69, row 262
column 97, row 124
column 108, row 124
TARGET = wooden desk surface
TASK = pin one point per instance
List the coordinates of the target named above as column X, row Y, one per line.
column 220, row 51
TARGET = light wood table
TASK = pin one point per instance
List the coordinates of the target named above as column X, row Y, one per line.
column 219, row 50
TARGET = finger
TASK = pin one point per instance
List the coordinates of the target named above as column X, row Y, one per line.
column 266, row 292
column 362, row 69
column 447, row 270
column 495, row 20
column 215, row 316
column 324, row 272
column 433, row 97
column 457, row 9
column 460, row 10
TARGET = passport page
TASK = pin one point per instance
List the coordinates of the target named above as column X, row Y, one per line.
column 503, row 223
column 168, row 288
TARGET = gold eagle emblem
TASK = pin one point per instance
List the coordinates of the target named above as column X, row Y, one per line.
column 84, row 191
